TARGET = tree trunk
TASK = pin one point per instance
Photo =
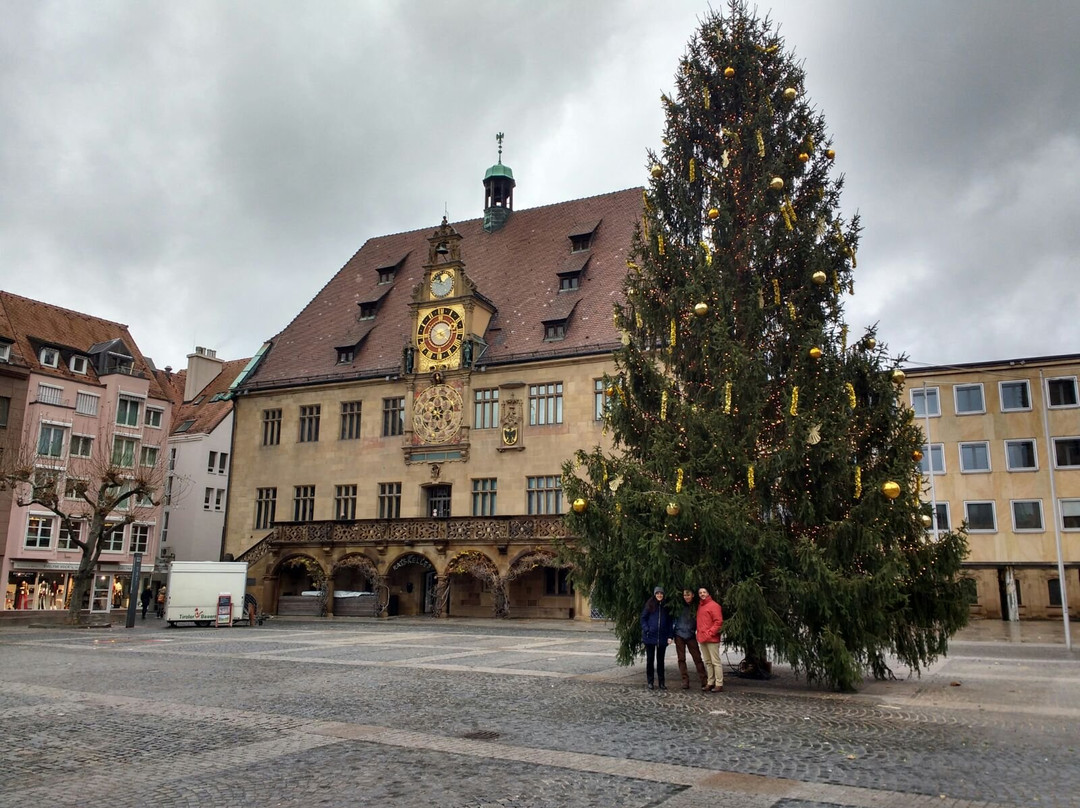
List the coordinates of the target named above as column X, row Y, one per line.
column 502, row 600
column 82, row 583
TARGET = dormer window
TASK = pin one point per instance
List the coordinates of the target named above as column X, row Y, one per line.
column 50, row 357
column 367, row 310
column 386, row 275
column 345, row 355
column 555, row 331
column 78, row 365
column 5, row 352
column 580, row 243
column 570, row 282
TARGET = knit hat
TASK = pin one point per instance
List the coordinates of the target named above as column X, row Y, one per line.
column 659, row 589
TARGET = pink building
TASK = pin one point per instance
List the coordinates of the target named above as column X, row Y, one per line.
column 76, row 395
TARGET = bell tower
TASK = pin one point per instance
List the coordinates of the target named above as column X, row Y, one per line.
column 498, row 193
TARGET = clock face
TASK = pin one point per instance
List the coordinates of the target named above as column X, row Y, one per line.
column 437, row 414
column 442, row 283
column 439, row 334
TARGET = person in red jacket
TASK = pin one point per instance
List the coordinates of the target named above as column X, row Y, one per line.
column 710, row 618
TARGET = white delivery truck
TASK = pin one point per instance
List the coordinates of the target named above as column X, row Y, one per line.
column 196, row 588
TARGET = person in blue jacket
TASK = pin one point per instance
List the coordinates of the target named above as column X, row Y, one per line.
column 657, row 631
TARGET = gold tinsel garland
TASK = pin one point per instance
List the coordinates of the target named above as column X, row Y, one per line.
column 673, row 333
column 791, row 310
column 708, row 254
column 850, row 394
column 858, row 482
column 794, row 409
column 776, row 290
column 727, row 398
column 843, row 337
column 693, row 169
column 663, row 406
column 760, row 143
column 678, row 480
column 705, row 93
column 645, row 200
column 750, row 477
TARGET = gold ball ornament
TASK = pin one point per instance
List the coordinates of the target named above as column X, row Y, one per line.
column 701, row 309
column 673, row 509
column 729, row 72
column 890, row 489
column 790, row 93
column 580, row 505
column 819, row 278
column 657, row 171
column 927, row 520
column 776, row 184
column 871, row 343
column 830, row 154
column 803, row 157
column 609, row 391
column 815, row 352
column 714, row 214
column 917, row 456
column 898, row 376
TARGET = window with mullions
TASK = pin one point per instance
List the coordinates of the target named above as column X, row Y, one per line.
column 140, row 538
column 557, row 582
column 975, row 457
column 544, row 495
column 148, row 456
column 1014, row 396
column 1027, row 514
column 1020, row 455
column 546, row 403
column 39, row 530
column 309, row 423
column 127, row 411
column 600, row 403
column 1066, row 453
column 81, row 446
column 113, row 541
column 925, row 401
column 389, row 500
column 942, row 514
column 932, row 457
column 265, row 507
column 979, row 517
column 123, row 454
column 393, row 417
column 70, row 532
column 570, row 282
column 486, row 408
column 484, row 493
column 350, row 420
column 271, row 427
column 345, row 502
column 303, row 503
column 51, row 441
column 1062, row 392
column 1070, row 514
column 153, row 418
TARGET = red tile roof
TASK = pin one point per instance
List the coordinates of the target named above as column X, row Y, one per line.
column 31, row 323
column 207, row 413
column 515, row 267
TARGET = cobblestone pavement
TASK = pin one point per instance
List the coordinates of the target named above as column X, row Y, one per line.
column 410, row 712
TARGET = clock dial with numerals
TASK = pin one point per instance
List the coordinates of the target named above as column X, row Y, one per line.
column 439, row 333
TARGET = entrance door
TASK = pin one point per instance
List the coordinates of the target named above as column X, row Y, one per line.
column 438, row 501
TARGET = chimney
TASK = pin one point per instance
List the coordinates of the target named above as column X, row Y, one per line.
column 203, row 367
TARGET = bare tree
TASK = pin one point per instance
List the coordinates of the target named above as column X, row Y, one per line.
column 116, row 485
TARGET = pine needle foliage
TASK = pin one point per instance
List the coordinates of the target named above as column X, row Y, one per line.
column 752, row 439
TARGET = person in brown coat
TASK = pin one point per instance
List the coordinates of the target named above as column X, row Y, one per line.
column 686, row 640
column 710, row 619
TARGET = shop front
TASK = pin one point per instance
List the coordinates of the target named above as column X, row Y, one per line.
column 48, row 585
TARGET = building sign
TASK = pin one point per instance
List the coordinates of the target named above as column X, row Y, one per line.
column 412, row 559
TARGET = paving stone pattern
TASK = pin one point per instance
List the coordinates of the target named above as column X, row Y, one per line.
column 485, row 713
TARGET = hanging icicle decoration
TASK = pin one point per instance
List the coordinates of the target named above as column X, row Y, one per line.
column 673, row 333
column 794, row 409
column 858, row 482
column 663, row 406
column 790, row 209
column 660, row 243
column 786, row 217
column 850, row 394
column 843, row 338
column 760, row 143
column 637, row 319
column 645, row 200
column 836, row 283
column 705, row 96
column 678, row 481
column 791, row 310
column 693, row 169
column 645, row 225
column 708, row 254
column 776, row 290
column 727, row 398
column 750, row 477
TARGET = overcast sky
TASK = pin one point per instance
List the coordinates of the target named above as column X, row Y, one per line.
column 199, row 170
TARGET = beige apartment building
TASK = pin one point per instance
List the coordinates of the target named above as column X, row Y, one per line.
column 1004, row 446
column 400, row 443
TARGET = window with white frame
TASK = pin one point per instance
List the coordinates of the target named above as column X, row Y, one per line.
column 148, row 456
column 39, row 530
column 50, row 357
column 140, row 537
column 74, row 487
column 600, row 399
column 925, row 401
column 969, row 399
column 942, row 514
column 71, row 531
column 222, row 462
column 1014, row 396
column 208, row 498
column 123, row 454
column 87, row 403
column 1020, row 455
column 81, row 446
column 980, row 517
column 211, row 463
column 1061, row 392
column 544, row 495
column 78, row 365
column 50, row 394
column 113, row 541
column 153, row 417
column 974, row 457
column 5, row 351
column 1067, row 453
column 127, row 411
column 1070, row 514
column 51, row 440
column 932, row 457
column 1027, row 514
column 145, row 499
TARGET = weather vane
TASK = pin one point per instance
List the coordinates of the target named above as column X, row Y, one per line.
column 499, row 137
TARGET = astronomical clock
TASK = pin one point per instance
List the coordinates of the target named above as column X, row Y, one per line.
column 437, row 414
column 439, row 334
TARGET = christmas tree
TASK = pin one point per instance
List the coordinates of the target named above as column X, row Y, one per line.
column 758, row 448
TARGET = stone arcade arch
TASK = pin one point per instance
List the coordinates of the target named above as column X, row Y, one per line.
column 411, row 581
column 538, row 586
column 296, row 574
column 356, row 587
column 484, row 574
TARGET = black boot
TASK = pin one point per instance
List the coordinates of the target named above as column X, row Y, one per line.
column 650, row 686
